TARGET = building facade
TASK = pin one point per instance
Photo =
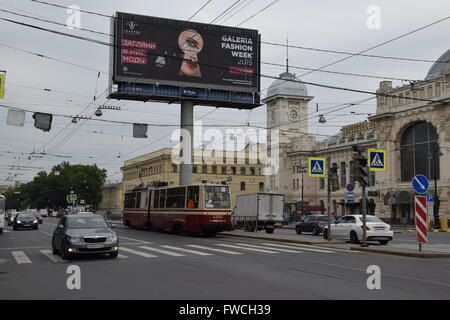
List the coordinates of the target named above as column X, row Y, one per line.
column 112, row 200
column 412, row 123
column 244, row 175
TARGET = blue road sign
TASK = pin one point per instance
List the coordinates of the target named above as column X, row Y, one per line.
column 420, row 184
column 350, row 187
column 430, row 197
column 350, row 197
column 317, row 167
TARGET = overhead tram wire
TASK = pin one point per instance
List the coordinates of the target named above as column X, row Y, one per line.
column 373, row 47
column 260, row 11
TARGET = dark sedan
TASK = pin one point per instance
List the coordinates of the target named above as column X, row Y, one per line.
column 25, row 221
column 313, row 224
column 84, row 233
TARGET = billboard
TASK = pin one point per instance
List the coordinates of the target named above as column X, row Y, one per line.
column 165, row 59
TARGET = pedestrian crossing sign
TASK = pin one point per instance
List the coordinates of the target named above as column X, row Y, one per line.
column 317, row 167
column 377, row 160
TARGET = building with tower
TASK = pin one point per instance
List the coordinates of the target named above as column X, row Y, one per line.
column 412, row 123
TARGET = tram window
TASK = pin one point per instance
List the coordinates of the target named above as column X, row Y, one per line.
column 144, row 200
column 130, row 200
column 138, row 200
column 162, row 199
column 192, row 197
column 156, row 199
column 176, row 197
column 217, row 198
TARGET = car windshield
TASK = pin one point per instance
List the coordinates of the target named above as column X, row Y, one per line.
column 87, row 223
column 26, row 216
column 373, row 219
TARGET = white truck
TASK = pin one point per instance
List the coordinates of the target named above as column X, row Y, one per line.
column 258, row 211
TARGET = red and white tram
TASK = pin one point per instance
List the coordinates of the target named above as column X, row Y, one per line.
column 190, row 209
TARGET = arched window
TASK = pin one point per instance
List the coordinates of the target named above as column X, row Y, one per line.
column 418, row 151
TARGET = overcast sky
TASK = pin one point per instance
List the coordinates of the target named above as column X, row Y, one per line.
column 325, row 24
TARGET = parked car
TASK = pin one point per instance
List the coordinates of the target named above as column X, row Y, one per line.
column 351, row 228
column 25, row 220
column 84, row 233
column 313, row 224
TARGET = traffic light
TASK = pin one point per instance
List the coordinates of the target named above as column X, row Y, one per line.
column 334, row 179
column 360, row 168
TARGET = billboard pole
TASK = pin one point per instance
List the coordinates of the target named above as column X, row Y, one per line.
column 187, row 125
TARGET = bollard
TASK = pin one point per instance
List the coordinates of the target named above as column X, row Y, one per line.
column 444, row 224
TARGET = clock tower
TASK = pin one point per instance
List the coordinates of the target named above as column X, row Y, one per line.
column 287, row 107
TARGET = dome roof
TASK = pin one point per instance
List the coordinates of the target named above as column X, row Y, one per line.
column 440, row 66
column 290, row 88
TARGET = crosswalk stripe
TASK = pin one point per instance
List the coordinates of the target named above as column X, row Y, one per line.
column 189, row 251
column 213, row 249
column 173, row 254
column 245, row 248
column 49, row 254
column 319, row 248
column 302, row 248
column 120, row 256
column 139, row 253
column 261, row 247
column 20, row 257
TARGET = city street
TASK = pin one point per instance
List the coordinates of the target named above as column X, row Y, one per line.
column 165, row 266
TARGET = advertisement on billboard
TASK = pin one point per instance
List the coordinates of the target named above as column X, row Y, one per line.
column 180, row 53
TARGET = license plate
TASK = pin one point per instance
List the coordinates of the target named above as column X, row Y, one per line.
column 94, row 246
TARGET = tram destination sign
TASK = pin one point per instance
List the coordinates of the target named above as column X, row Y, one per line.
column 162, row 59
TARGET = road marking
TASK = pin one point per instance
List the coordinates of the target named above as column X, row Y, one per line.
column 137, row 240
column 49, row 254
column 261, row 247
column 20, row 257
column 244, row 248
column 47, row 234
column 53, row 224
column 188, row 251
column 213, row 249
column 122, row 256
column 173, row 254
column 305, row 248
column 139, row 253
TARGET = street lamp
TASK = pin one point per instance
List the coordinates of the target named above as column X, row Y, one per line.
column 303, row 170
column 436, row 154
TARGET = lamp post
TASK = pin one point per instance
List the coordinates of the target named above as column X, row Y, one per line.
column 303, row 170
column 436, row 154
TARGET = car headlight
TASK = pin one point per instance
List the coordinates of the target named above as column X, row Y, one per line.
column 75, row 240
column 35, row 221
column 112, row 238
column 19, row 222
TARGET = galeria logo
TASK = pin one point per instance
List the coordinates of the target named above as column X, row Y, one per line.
column 132, row 25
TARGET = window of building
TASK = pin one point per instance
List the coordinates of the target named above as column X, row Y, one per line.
column 322, row 183
column 261, row 186
column 418, row 149
column 343, row 174
column 194, row 169
column 204, row 169
column 233, row 170
column 174, row 168
column 243, row 171
column 293, row 184
column 242, row 186
column 352, row 177
column 298, row 185
column 224, row 170
column 214, row 169
column 252, row 171
column 430, row 91
column 437, row 89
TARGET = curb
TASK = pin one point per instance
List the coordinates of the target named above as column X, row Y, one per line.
column 279, row 240
column 403, row 254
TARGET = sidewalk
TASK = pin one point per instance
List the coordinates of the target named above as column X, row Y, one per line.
column 335, row 244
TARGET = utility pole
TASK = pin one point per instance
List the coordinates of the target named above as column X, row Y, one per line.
column 329, row 198
column 361, row 174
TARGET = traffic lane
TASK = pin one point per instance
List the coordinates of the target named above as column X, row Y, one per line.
column 25, row 238
column 392, row 264
column 258, row 276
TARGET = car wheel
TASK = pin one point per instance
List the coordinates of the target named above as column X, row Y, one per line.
column 55, row 251
column 325, row 234
column 113, row 255
column 298, row 230
column 353, row 237
column 14, row 228
column 384, row 242
column 1, row 231
column 314, row 231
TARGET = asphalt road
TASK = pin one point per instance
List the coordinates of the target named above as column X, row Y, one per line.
column 220, row 268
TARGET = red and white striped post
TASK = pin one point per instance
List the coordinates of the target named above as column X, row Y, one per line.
column 421, row 220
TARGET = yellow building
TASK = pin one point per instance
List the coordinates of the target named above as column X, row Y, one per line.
column 112, row 198
column 243, row 176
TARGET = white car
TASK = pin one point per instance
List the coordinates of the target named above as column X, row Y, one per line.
column 351, row 228
column 2, row 221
